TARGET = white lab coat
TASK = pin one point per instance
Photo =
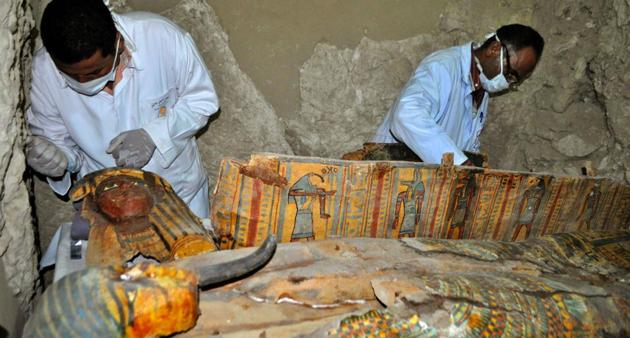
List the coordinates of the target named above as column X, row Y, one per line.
column 165, row 89
column 434, row 114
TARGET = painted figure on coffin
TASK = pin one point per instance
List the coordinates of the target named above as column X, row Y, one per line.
column 410, row 203
column 590, row 207
column 464, row 190
column 529, row 205
column 304, row 194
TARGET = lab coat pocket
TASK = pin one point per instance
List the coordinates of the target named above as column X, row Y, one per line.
column 161, row 106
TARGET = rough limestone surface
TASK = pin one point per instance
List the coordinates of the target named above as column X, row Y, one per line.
column 17, row 240
column 573, row 109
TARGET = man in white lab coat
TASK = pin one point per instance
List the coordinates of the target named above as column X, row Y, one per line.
column 118, row 90
column 443, row 107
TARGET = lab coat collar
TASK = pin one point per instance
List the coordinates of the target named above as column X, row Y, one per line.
column 119, row 21
column 466, row 59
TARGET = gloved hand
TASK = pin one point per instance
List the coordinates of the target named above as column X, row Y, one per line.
column 132, row 149
column 45, row 157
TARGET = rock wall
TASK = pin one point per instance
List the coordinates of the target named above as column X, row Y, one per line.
column 17, row 241
column 11, row 318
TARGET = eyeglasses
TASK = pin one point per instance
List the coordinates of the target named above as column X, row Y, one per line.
column 511, row 75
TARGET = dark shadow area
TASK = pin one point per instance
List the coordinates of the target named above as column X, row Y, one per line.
column 45, row 275
column 211, row 119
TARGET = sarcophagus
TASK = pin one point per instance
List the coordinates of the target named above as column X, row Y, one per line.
column 301, row 199
column 133, row 212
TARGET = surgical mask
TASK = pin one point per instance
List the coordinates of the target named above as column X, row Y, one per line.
column 498, row 83
column 92, row 87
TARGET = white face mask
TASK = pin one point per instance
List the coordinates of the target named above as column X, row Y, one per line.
column 498, row 83
column 92, row 87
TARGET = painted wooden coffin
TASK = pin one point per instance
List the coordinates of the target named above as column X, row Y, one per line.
column 301, row 199
column 562, row 285
column 133, row 212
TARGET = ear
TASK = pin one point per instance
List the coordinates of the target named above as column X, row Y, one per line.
column 494, row 49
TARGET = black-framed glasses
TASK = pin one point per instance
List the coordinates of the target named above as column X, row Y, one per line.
column 511, row 76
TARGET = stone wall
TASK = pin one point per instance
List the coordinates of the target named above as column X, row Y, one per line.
column 11, row 318
column 572, row 110
column 17, row 242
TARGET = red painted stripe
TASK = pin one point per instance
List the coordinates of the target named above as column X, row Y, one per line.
column 503, row 206
column 254, row 212
column 365, row 207
column 237, row 183
column 430, row 204
column 377, row 206
column 437, row 205
column 276, row 211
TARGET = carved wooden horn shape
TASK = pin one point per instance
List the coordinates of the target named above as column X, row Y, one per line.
column 226, row 271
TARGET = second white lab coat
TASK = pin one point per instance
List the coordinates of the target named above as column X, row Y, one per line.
column 165, row 89
column 434, row 114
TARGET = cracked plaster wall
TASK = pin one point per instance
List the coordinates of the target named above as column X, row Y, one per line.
column 318, row 80
column 17, row 241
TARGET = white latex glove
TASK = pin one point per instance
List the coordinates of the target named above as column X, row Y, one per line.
column 132, row 149
column 45, row 157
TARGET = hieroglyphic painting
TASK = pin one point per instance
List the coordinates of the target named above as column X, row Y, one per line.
column 314, row 198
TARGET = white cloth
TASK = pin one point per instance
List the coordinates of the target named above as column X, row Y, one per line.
column 165, row 89
column 434, row 114
column 50, row 255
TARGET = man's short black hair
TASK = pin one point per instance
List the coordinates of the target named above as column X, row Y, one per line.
column 73, row 30
column 518, row 37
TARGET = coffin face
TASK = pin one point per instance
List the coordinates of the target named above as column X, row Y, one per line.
column 123, row 197
column 134, row 212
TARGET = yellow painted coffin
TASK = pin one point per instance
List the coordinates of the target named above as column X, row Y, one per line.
column 302, row 199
